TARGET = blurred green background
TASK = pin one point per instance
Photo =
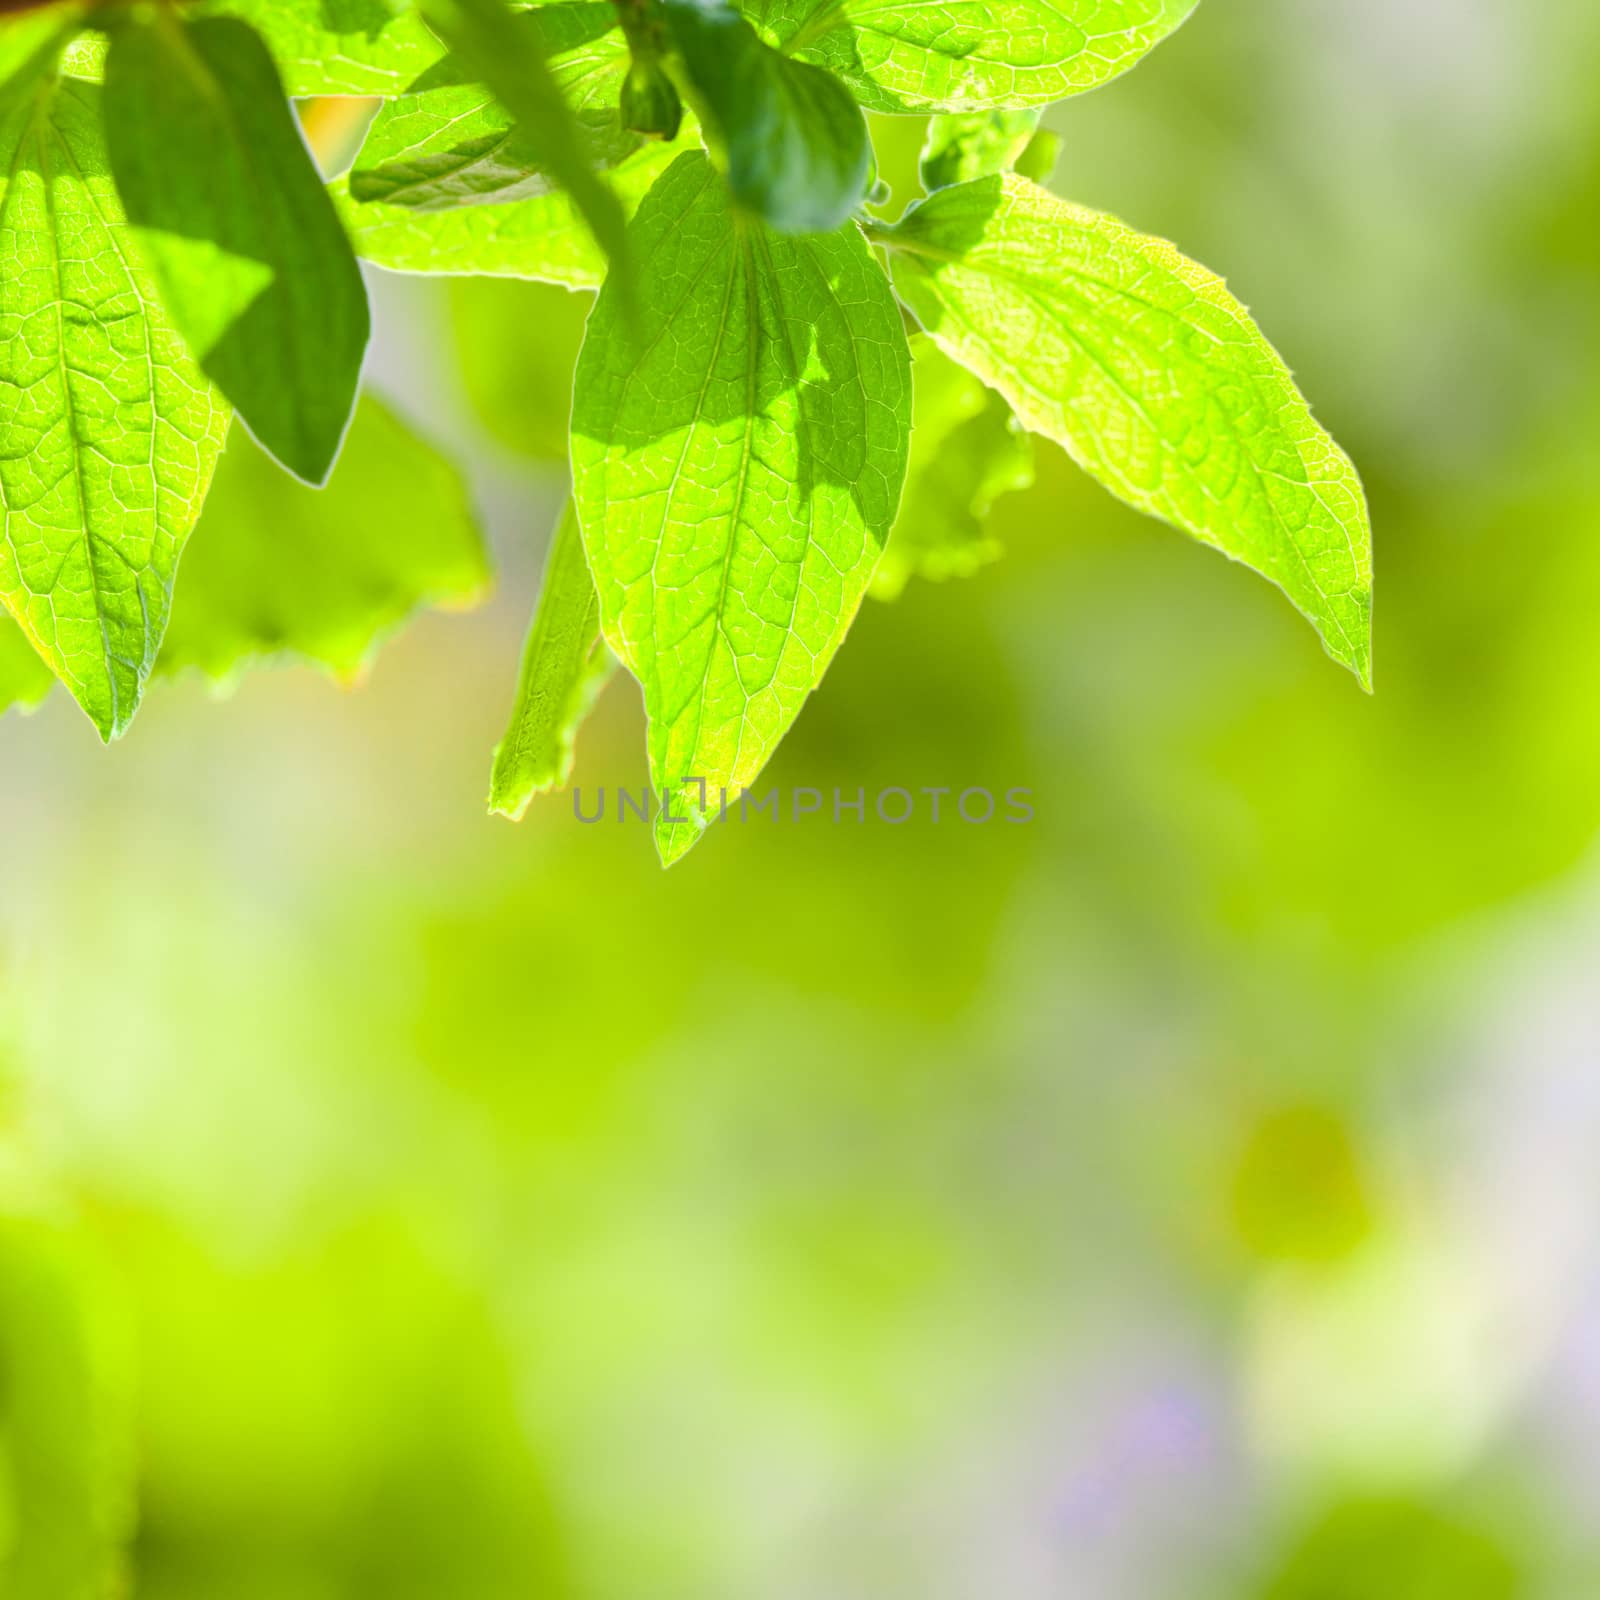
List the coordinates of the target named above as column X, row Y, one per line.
column 1192, row 1193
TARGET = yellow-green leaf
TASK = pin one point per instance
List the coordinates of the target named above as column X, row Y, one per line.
column 565, row 664
column 738, row 452
column 1155, row 380
column 108, row 432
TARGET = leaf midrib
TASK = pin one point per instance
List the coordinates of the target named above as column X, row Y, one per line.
column 42, row 127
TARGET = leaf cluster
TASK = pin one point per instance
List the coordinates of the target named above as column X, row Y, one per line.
column 783, row 403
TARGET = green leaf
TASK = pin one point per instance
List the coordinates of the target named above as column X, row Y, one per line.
column 493, row 49
column 962, row 146
column 968, row 55
column 737, row 462
column 321, row 47
column 340, row 46
column 564, row 667
column 277, row 568
column 1155, row 380
column 650, row 102
column 966, row 451
column 252, row 261
column 794, row 139
column 109, row 432
column 85, row 57
column 24, row 678
column 452, row 143
column 543, row 238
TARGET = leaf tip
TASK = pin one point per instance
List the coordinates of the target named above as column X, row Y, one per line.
column 676, row 836
column 111, row 727
column 1355, row 655
column 507, row 799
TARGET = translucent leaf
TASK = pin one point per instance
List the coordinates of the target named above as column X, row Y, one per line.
column 451, row 142
column 738, row 457
column 543, row 238
column 108, row 432
column 1153, row 377
column 279, row 569
column 493, row 48
column 968, row 55
column 564, row 667
column 321, row 47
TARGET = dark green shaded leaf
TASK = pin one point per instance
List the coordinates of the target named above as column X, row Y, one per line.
column 252, row 261
column 794, row 140
column 650, row 101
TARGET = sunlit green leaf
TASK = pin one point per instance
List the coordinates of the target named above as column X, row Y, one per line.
column 252, row 262
column 794, row 139
column 108, row 432
column 544, row 238
column 968, row 55
column 340, row 46
column 738, row 458
column 493, row 48
column 966, row 451
column 453, row 143
column 321, row 47
column 277, row 568
column 564, row 666
column 1153, row 377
